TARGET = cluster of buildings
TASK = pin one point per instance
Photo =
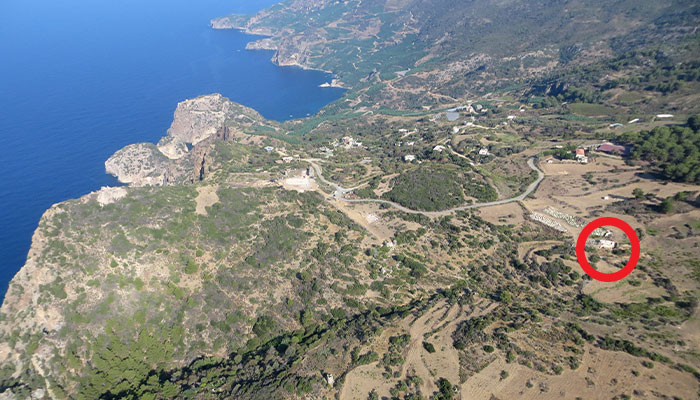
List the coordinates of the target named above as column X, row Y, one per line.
column 581, row 153
column 347, row 142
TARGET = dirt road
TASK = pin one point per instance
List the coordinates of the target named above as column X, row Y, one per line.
column 341, row 191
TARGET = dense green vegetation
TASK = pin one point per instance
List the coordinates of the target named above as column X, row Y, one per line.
column 674, row 151
column 434, row 189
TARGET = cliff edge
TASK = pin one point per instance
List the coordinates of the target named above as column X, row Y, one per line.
column 175, row 157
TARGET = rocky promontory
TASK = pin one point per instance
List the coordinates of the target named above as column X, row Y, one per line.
column 171, row 161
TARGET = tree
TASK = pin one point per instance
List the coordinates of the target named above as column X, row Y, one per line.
column 445, row 391
column 373, row 395
column 694, row 123
column 667, row 205
column 638, row 193
column 505, row 297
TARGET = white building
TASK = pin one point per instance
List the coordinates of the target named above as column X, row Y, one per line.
column 409, row 158
column 287, row 159
column 269, row 149
column 664, row 116
column 484, row 152
column 603, row 244
column 439, row 148
column 347, row 142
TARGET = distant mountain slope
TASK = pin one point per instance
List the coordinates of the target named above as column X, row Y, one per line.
column 445, row 49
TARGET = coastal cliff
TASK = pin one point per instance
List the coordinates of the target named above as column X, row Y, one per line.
column 171, row 161
column 291, row 48
column 101, row 262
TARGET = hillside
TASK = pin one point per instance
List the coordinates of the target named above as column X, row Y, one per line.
column 411, row 54
column 414, row 240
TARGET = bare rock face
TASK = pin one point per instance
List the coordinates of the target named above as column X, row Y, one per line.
column 172, row 147
column 200, row 118
column 140, row 164
column 109, row 195
column 197, row 119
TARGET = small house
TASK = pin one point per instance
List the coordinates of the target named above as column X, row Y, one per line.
column 605, row 244
column 581, row 155
column 484, row 152
column 439, row 148
column 269, row 149
column 409, row 158
column 287, row 159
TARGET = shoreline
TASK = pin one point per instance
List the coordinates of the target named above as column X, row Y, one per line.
column 218, row 24
column 33, row 244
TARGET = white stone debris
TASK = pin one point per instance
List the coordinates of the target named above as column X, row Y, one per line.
column 576, row 222
column 108, row 195
column 547, row 221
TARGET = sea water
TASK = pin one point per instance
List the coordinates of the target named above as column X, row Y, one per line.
column 80, row 79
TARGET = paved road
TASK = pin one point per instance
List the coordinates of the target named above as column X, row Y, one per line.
column 341, row 191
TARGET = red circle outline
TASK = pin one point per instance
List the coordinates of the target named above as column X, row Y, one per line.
column 581, row 249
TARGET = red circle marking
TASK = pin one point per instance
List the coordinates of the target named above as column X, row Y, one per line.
column 581, row 249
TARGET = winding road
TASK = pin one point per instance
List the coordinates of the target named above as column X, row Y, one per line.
column 341, row 191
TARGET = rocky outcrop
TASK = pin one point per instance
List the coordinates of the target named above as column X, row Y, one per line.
column 197, row 119
column 140, row 164
column 172, row 147
column 108, row 195
column 229, row 22
column 198, row 122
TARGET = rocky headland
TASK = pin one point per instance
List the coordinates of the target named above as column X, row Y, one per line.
column 81, row 240
column 179, row 156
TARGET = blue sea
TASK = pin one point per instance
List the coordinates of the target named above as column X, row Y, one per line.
column 80, row 79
